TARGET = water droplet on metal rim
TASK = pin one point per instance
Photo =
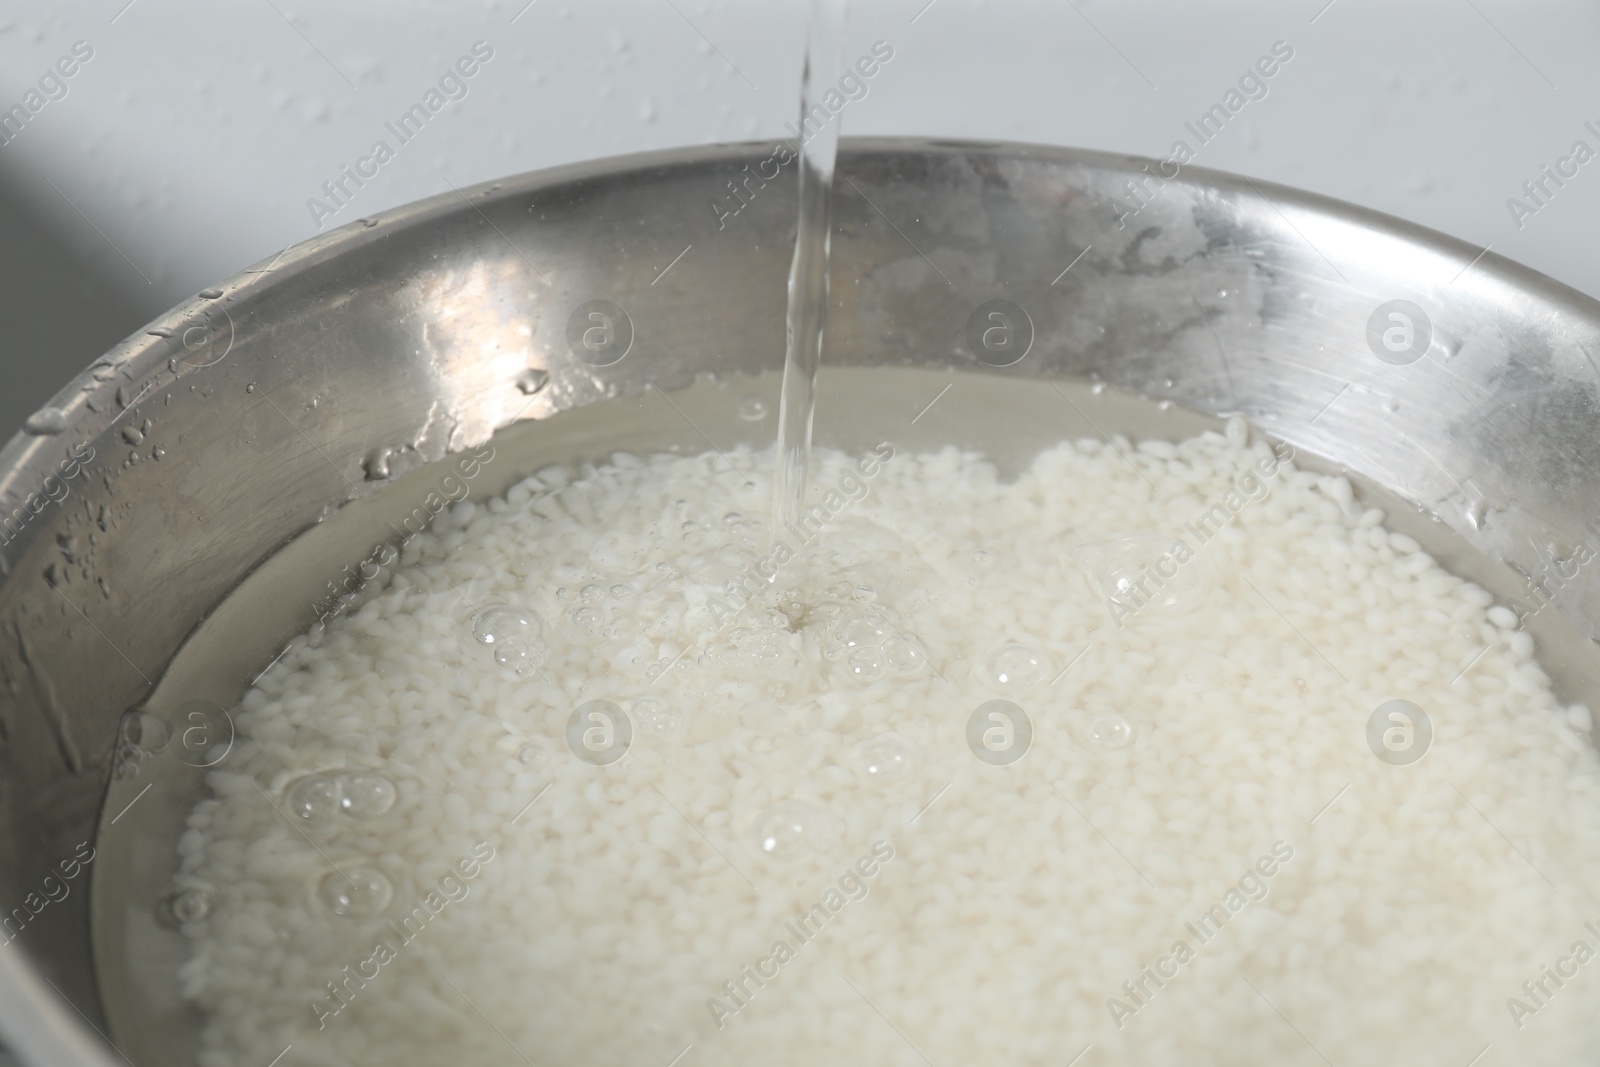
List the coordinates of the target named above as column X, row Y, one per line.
column 46, row 422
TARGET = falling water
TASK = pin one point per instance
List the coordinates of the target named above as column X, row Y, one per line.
column 808, row 273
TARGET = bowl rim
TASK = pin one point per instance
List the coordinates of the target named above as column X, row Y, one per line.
column 23, row 459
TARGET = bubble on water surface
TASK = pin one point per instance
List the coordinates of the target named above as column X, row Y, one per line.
column 186, row 906
column 355, row 892
column 885, row 759
column 902, row 655
column 790, row 830
column 866, row 662
column 1109, row 730
column 366, row 796
column 656, row 718
column 320, row 798
column 515, row 634
column 1018, row 668
column 1143, row 575
column 317, row 798
column 146, row 732
column 868, row 630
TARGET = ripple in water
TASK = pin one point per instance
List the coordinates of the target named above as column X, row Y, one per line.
column 515, row 634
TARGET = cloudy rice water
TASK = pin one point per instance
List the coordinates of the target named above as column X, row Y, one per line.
column 1157, row 753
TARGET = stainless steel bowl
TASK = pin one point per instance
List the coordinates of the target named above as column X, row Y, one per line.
column 289, row 406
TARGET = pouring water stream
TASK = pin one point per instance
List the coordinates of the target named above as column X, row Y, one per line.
column 808, row 272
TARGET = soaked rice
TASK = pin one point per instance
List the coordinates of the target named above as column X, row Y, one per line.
column 449, row 870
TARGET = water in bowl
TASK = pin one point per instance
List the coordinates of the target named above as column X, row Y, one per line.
column 942, row 784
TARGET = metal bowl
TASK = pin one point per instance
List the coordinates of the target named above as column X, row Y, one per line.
column 257, row 438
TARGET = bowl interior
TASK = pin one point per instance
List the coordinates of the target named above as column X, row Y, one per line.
column 211, row 476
